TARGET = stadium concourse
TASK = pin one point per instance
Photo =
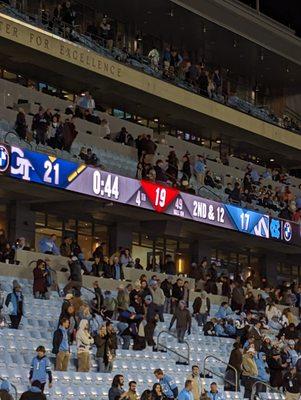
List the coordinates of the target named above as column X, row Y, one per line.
column 123, row 317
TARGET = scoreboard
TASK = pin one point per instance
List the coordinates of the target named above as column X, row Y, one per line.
column 26, row 165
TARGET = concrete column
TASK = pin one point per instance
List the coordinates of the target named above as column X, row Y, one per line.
column 200, row 249
column 21, row 222
column 120, row 235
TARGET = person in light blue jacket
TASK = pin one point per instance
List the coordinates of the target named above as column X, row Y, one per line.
column 224, row 311
column 186, row 393
column 47, row 245
column 262, row 366
column 15, row 305
column 214, row 394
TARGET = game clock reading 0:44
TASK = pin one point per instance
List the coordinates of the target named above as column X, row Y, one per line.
column 49, row 170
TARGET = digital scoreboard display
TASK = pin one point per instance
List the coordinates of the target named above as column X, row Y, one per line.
column 48, row 170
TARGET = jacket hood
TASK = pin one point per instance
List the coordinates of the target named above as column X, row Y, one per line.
column 83, row 324
column 5, row 385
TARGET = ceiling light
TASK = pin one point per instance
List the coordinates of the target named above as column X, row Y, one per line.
column 156, row 120
column 218, row 141
column 272, row 159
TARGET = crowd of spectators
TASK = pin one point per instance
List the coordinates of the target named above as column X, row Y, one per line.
column 267, row 333
column 170, row 63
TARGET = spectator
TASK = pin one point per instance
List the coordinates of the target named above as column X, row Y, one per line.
column 197, row 386
column 186, row 168
column 254, row 332
column 117, row 269
column 224, row 311
column 183, row 318
column 34, row 393
column 21, row 125
column 69, row 134
column 102, row 349
column 263, row 370
column 15, row 304
column 208, row 181
column 167, row 286
column 201, row 308
column 276, row 367
column 154, row 58
column 235, row 195
column 48, row 245
column 186, row 393
column 249, row 371
column 132, row 392
column 177, row 293
column 75, row 278
column 40, row 369
column 169, row 386
column 137, row 264
column 40, row 280
column 151, row 320
column 66, row 247
column 235, row 361
column 126, row 258
column 106, row 33
column 158, row 298
column 40, row 126
column 5, row 390
column 200, row 169
column 157, row 393
column 160, row 172
column 122, row 135
column 7, row 254
column 170, row 266
column 116, row 390
column 292, row 384
column 83, row 344
column 173, row 167
column 61, row 347
column 214, row 394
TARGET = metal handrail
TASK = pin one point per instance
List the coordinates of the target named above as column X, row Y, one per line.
column 253, row 392
column 219, row 375
column 187, row 358
column 13, row 386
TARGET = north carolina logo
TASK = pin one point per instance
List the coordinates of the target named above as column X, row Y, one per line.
column 4, row 158
column 287, row 231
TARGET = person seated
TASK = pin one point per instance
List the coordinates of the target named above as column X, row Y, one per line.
column 219, row 328
column 224, row 311
column 235, row 195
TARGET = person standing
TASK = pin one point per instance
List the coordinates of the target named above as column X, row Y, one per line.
column 167, row 286
column 40, row 368
column 15, row 304
column 231, row 378
column 168, row 384
column 214, row 394
column 183, row 317
column 61, row 347
column 186, row 393
column 201, row 308
column 40, row 280
column 197, row 386
column 292, row 384
column 158, row 297
column 83, row 343
column 132, row 392
column 116, row 390
column 249, row 371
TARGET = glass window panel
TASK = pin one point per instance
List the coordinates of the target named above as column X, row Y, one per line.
column 54, row 222
column 146, row 241
column 40, row 219
column 85, row 227
column 70, row 225
column 136, row 238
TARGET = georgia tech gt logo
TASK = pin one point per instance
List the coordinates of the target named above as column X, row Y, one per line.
column 21, row 166
column 287, row 231
column 4, row 158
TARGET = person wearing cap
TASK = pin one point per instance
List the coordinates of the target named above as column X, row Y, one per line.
column 263, row 370
column 34, row 393
column 15, row 304
column 292, row 384
column 249, row 371
column 61, row 346
column 183, row 318
column 40, row 368
column 5, row 390
column 158, row 298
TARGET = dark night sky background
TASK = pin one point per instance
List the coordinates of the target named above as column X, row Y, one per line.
column 287, row 12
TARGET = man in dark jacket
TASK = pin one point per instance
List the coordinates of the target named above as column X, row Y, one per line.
column 183, row 318
column 177, row 293
column 75, row 279
column 34, row 393
column 170, row 266
column 167, row 287
column 61, row 347
column 152, row 318
column 276, row 367
column 201, row 308
column 292, row 384
column 254, row 332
